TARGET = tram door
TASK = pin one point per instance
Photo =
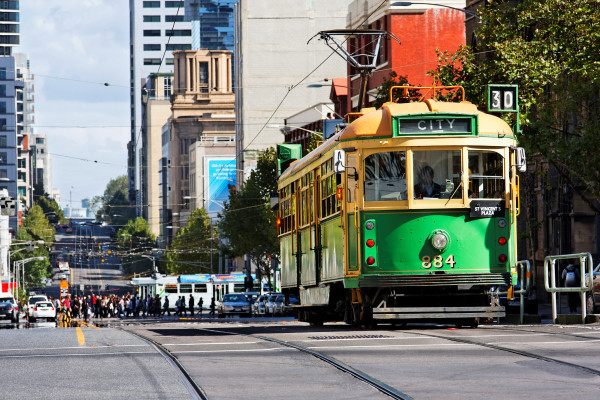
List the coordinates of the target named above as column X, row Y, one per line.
column 219, row 291
column 352, row 218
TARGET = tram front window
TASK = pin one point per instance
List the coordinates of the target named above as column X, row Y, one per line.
column 385, row 176
column 486, row 175
column 436, row 174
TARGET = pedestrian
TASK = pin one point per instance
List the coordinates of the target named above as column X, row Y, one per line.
column 212, row 307
column 191, row 305
column 84, row 309
column 166, row 306
column 200, row 303
column 572, row 278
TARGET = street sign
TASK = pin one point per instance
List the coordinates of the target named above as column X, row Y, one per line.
column 503, row 98
column 64, row 285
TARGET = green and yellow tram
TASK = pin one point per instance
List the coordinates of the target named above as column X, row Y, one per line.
column 408, row 213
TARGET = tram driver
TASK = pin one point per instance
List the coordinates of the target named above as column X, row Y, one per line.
column 426, row 187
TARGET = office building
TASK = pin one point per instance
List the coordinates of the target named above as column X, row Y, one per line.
column 212, row 23
column 157, row 28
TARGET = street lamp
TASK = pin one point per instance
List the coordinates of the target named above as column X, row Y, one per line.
column 23, row 262
column 410, row 3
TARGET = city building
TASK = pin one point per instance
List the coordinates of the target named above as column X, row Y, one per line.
column 8, row 131
column 274, row 66
column 9, row 33
column 24, row 114
column 198, row 138
column 212, row 23
column 157, row 28
column 156, row 110
column 422, row 29
column 41, row 163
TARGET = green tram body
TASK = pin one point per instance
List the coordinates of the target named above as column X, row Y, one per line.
column 325, row 257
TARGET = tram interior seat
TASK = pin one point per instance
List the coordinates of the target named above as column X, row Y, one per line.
column 385, row 190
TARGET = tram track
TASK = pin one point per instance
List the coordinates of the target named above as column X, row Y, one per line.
column 187, row 380
column 513, row 351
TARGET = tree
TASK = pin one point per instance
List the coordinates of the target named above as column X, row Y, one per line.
column 115, row 202
column 135, row 241
column 35, row 228
column 551, row 49
column 247, row 221
column 51, row 209
column 194, row 246
column 383, row 92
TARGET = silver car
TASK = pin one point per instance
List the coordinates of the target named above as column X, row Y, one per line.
column 233, row 303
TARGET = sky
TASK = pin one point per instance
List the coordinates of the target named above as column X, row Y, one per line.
column 74, row 47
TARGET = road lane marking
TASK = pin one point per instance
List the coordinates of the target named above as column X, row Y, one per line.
column 80, row 336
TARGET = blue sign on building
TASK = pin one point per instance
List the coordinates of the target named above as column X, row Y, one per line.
column 221, row 177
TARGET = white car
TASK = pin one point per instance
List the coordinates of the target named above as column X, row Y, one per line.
column 32, row 301
column 43, row 309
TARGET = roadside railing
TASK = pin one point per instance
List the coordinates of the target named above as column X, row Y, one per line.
column 550, row 281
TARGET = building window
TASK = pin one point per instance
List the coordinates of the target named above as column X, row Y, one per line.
column 174, row 18
column 3, row 173
column 151, row 32
column 2, row 90
column 173, row 4
column 203, row 72
column 168, row 87
column 3, row 157
column 2, row 73
column 151, row 61
column 39, row 140
column 3, row 141
column 178, row 46
column 152, row 4
column 151, row 18
column 2, row 107
column 169, row 61
column 3, row 124
column 178, row 32
column 21, row 163
column 152, row 47
column 22, row 176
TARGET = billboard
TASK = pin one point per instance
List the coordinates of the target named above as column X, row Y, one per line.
column 221, row 176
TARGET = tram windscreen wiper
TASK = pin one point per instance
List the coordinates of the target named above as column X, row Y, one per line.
column 455, row 190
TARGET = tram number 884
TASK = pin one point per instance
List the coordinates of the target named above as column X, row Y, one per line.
column 437, row 261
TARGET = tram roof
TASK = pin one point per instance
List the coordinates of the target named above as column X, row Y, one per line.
column 379, row 123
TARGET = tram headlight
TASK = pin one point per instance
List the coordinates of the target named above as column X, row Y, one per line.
column 439, row 240
column 501, row 223
column 370, row 225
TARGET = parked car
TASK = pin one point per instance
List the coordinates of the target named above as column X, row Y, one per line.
column 9, row 308
column 286, row 309
column 259, row 307
column 43, row 309
column 32, row 301
column 233, row 303
column 275, row 300
column 252, row 297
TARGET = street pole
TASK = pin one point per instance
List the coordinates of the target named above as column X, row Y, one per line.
column 211, row 246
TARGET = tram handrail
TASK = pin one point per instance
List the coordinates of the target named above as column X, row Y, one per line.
column 525, row 285
column 586, row 279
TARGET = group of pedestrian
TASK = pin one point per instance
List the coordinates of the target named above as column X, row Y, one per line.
column 114, row 306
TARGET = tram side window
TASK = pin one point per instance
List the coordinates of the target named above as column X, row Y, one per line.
column 185, row 288
column 200, row 288
column 287, row 209
column 436, row 174
column 170, row 288
column 330, row 204
column 486, row 175
column 385, row 176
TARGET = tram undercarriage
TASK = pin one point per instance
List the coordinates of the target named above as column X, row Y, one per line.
column 463, row 306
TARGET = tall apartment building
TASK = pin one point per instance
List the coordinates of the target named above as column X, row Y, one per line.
column 25, row 119
column 199, row 137
column 157, row 28
column 9, row 21
column 272, row 55
column 41, row 163
column 156, row 110
column 212, row 23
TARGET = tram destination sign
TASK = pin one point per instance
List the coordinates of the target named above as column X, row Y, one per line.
column 439, row 125
column 487, row 208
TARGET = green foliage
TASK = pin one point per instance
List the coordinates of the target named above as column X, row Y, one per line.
column 383, row 91
column 115, row 202
column 551, row 49
column 247, row 221
column 133, row 240
column 36, row 229
column 191, row 250
column 51, row 209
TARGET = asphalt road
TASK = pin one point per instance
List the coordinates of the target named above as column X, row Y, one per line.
column 86, row 363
